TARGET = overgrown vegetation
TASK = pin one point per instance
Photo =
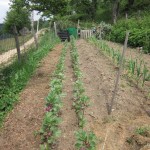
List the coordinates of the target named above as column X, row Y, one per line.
column 14, row 77
column 50, row 130
column 85, row 140
column 139, row 32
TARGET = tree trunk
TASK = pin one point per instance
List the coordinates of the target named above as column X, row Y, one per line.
column 130, row 3
column 115, row 10
column 94, row 8
column 17, row 43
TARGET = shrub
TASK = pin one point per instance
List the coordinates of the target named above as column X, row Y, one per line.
column 139, row 32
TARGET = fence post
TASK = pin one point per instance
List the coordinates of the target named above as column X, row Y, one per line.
column 33, row 32
column 118, row 75
column 55, row 28
column 17, row 43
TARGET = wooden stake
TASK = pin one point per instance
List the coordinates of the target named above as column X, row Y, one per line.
column 118, row 74
column 55, row 28
column 17, row 43
column 33, row 32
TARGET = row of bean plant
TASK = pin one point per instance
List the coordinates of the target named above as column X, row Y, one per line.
column 50, row 131
column 85, row 140
column 136, row 68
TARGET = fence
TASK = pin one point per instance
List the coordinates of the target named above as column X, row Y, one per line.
column 84, row 34
column 7, row 41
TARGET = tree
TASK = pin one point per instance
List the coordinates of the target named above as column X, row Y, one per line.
column 115, row 10
column 17, row 18
column 48, row 7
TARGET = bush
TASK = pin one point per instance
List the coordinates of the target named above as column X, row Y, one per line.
column 139, row 32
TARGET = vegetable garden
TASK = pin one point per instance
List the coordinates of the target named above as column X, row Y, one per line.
column 74, row 114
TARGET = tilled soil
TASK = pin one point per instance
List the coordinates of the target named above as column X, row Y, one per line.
column 27, row 116
column 131, row 52
column 128, row 113
column 69, row 119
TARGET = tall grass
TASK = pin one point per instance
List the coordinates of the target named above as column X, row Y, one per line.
column 14, row 77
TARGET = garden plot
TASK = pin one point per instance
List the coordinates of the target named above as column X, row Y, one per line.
column 129, row 112
column 26, row 118
column 75, row 115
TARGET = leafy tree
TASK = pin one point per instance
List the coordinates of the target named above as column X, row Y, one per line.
column 49, row 7
column 18, row 15
column 17, row 18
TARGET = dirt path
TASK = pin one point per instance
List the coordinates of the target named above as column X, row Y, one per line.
column 131, row 52
column 27, row 116
column 69, row 120
column 99, row 75
column 5, row 57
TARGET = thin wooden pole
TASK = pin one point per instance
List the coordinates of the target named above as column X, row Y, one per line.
column 118, row 74
column 37, row 30
column 33, row 32
column 55, row 28
column 17, row 43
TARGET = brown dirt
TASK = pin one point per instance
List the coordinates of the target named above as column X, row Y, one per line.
column 128, row 113
column 134, row 53
column 27, row 116
column 69, row 120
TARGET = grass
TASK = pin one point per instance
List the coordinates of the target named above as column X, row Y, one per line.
column 9, row 43
column 14, row 77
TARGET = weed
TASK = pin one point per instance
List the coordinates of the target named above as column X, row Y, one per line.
column 144, row 131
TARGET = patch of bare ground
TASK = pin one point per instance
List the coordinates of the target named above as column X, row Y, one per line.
column 69, row 121
column 27, row 116
column 129, row 112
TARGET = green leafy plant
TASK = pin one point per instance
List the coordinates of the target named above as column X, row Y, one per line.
column 85, row 140
column 50, row 130
column 144, row 131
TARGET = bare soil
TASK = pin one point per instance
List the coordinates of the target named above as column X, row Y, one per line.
column 27, row 116
column 131, row 52
column 69, row 121
column 129, row 111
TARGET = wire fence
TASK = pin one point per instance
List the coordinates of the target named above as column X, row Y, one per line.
column 7, row 41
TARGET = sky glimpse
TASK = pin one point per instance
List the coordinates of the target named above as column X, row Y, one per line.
column 4, row 7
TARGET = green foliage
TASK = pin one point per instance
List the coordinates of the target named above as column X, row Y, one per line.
column 50, row 130
column 49, row 7
column 139, row 32
column 16, row 16
column 81, row 101
column 14, row 77
column 85, row 141
column 144, row 131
